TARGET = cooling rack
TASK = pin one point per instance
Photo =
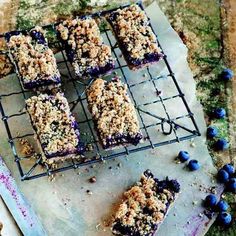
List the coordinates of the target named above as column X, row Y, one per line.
column 154, row 91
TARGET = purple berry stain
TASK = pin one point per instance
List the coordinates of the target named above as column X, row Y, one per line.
column 6, row 180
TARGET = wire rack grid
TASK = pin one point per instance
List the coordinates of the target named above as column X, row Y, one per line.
column 159, row 122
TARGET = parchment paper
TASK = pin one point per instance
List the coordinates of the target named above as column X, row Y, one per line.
column 64, row 206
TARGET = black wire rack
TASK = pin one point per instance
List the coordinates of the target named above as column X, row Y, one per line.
column 155, row 96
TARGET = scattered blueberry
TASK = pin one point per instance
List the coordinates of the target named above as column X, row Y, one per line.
column 231, row 185
column 229, row 168
column 212, row 132
column 224, row 218
column 227, row 74
column 193, row 165
column 223, row 176
column 219, row 113
column 183, row 156
column 222, row 206
column 221, row 144
column 210, row 200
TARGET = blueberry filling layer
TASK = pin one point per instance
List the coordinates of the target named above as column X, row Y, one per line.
column 113, row 113
column 145, row 206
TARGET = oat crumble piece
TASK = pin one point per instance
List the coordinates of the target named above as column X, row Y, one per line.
column 33, row 59
column 135, row 37
column 113, row 113
column 56, row 127
column 84, row 46
column 145, row 206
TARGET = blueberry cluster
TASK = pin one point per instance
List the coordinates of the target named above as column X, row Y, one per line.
column 227, row 176
column 224, row 218
column 221, row 144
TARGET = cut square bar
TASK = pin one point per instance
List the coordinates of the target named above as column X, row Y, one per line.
column 145, row 206
column 113, row 113
column 135, row 36
column 33, row 59
column 56, row 127
column 84, row 47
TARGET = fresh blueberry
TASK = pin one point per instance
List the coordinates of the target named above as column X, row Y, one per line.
column 193, row 165
column 229, row 168
column 222, row 206
column 36, row 34
column 183, row 156
column 219, row 113
column 227, row 74
column 224, row 218
column 223, row 176
column 221, row 144
column 212, row 132
column 210, row 200
column 231, row 185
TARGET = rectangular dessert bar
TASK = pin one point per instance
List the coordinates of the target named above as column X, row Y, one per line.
column 84, row 47
column 57, row 129
column 135, row 36
column 145, row 206
column 34, row 60
column 113, row 113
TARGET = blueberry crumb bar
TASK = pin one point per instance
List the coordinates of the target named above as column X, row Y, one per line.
column 113, row 113
column 135, row 36
column 57, row 129
column 34, row 60
column 145, row 206
column 84, row 47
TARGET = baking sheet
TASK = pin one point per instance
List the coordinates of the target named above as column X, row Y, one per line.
column 64, row 206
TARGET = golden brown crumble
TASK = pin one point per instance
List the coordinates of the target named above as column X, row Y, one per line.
column 84, row 37
column 35, row 61
column 26, row 147
column 131, row 23
column 112, row 109
column 54, row 123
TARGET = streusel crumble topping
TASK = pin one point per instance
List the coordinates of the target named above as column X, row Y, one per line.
column 132, row 28
column 84, row 39
column 34, row 59
column 144, row 207
column 112, row 109
column 56, row 127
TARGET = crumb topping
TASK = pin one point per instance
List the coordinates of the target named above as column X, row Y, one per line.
column 143, row 208
column 83, row 37
column 54, row 124
column 35, row 60
column 112, row 109
column 132, row 27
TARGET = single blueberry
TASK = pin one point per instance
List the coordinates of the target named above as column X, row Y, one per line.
column 221, row 144
column 210, row 200
column 222, row 206
column 212, row 132
column 183, row 156
column 219, row 113
column 193, row 165
column 229, row 168
column 223, row 176
column 231, row 185
column 227, row 74
column 224, row 218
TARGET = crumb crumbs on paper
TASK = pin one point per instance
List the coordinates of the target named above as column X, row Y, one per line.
column 26, row 147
